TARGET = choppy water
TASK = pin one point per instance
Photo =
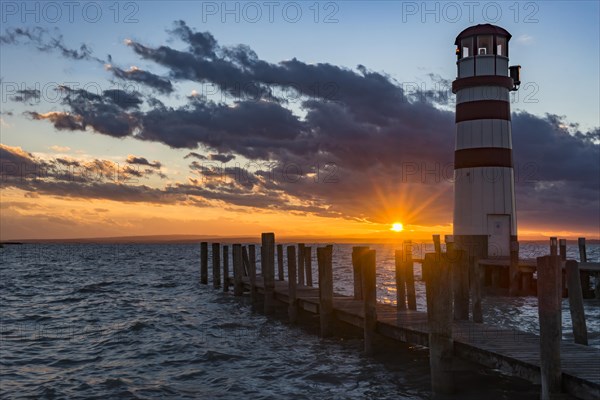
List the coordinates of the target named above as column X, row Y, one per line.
column 132, row 321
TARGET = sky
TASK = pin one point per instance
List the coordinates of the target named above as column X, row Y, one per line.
column 317, row 119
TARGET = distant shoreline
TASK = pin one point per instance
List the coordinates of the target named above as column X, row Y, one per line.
column 186, row 239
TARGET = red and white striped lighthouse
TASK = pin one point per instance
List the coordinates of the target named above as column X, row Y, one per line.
column 484, row 193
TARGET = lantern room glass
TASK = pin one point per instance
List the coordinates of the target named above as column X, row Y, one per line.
column 501, row 46
column 466, row 45
column 484, row 45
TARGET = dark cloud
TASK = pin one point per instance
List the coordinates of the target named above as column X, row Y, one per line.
column 162, row 85
column 131, row 159
column 196, row 155
column 224, row 158
column 27, row 96
column 46, row 41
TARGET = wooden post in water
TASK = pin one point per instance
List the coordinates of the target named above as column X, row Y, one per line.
column 325, row 263
column 409, row 276
column 216, row 265
column 562, row 251
column 400, row 284
column 280, row 262
column 268, row 270
column 300, row 265
column 549, row 311
column 513, row 269
column 437, row 246
column 238, row 270
column 292, row 283
column 576, row 303
column 369, row 290
column 357, row 252
column 562, row 248
column 204, row 263
column 585, row 275
column 476, row 286
column 251, row 268
column 476, row 248
column 459, row 273
column 582, row 253
column 553, row 246
column 439, row 317
column 225, row 268
column 308, row 265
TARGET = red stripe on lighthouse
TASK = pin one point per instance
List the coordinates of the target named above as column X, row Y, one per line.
column 484, row 80
column 483, row 157
column 483, row 109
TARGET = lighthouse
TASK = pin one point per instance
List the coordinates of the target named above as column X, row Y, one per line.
column 484, row 185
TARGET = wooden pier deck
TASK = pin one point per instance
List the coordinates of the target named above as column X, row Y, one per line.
column 514, row 352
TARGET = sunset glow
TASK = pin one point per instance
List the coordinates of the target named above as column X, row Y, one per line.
column 397, row 227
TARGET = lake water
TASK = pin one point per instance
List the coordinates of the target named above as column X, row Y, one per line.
column 133, row 322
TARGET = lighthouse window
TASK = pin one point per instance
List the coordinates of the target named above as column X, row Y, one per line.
column 467, row 47
column 501, row 49
column 484, row 44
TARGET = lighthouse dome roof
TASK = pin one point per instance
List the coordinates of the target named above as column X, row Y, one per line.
column 482, row 29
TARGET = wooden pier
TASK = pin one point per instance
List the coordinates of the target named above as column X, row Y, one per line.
column 573, row 368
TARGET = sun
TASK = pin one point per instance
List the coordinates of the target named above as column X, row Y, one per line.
column 397, row 227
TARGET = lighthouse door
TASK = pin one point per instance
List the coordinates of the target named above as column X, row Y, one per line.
column 498, row 235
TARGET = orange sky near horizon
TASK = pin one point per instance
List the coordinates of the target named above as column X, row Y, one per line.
column 47, row 217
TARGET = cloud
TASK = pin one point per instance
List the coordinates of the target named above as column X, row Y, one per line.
column 27, row 96
column 131, row 159
column 46, row 41
column 134, row 74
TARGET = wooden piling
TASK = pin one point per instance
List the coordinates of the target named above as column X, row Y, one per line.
column 251, row 268
column 549, row 311
column 562, row 248
column 409, row 275
column 562, row 251
column 225, row 268
column 582, row 252
column 400, row 284
column 216, row 265
column 459, row 265
column 576, row 303
column 292, row 283
column 300, row 265
column 553, row 246
column 357, row 252
column 369, row 290
column 476, row 248
column 280, row 262
column 308, row 265
column 268, row 270
column 325, row 263
column 439, row 317
column 238, row 270
column 204, row 263
column 459, row 275
column 584, row 275
column 437, row 246
column 513, row 269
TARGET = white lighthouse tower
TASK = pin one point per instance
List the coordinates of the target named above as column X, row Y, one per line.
column 484, row 193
